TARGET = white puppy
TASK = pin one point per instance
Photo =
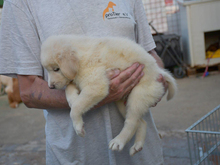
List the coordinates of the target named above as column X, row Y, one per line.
column 80, row 62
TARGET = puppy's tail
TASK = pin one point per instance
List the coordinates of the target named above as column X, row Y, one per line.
column 172, row 87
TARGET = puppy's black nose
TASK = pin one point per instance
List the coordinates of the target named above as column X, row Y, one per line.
column 52, row 86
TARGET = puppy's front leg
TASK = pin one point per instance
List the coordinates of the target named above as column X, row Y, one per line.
column 88, row 97
column 72, row 93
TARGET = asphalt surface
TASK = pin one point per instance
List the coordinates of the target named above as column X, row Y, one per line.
column 22, row 137
column 196, row 97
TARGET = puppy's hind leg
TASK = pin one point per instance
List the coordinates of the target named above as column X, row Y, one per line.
column 121, row 107
column 131, row 123
column 140, row 137
column 126, row 134
column 136, row 107
column 117, row 144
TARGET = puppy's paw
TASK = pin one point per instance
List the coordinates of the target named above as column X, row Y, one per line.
column 14, row 105
column 80, row 130
column 116, row 144
column 137, row 147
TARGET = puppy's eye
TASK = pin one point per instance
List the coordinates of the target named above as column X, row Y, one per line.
column 56, row 69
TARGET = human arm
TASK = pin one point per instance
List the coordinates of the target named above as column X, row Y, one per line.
column 161, row 79
column 159, row 61
column 145, row 38
column 35, row 92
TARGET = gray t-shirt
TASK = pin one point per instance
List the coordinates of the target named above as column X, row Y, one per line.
column 27, row 23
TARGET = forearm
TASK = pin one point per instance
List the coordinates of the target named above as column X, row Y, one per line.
column 161, row 78
column 157, row 58
column 35, row 93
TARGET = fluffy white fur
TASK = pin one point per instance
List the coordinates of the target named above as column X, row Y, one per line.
column 80, row 63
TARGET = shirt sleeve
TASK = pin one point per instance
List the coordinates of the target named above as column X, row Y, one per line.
column 19, row 42
column 142, row 29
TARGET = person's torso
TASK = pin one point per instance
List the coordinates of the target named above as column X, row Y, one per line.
column 92, row 18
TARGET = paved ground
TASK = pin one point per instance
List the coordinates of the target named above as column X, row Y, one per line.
column 22, row 139
column 195, row 98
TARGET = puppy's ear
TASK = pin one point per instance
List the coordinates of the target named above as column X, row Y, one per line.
column 68, row 63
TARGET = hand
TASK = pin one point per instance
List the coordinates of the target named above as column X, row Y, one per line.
column 161, row 79
column 121, row 83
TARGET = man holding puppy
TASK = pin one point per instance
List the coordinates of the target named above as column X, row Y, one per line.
column 26, row 24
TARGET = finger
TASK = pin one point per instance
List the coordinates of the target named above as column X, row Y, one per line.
column 128, row 90
column 126, row 74
column 134, row 79
column 163, row 80
column 160, row 78
column 165, row 84
column 111, row 74
column 128, row 86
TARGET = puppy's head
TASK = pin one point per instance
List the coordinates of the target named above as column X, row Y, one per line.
column 58, row 57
